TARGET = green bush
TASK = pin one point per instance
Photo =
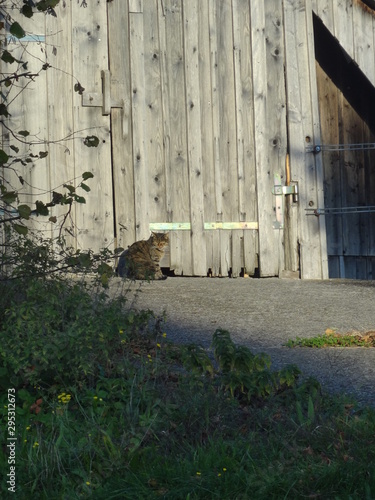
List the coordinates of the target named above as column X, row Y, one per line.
column 54, row 331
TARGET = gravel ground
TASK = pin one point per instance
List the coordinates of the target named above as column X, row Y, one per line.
column 264, row 313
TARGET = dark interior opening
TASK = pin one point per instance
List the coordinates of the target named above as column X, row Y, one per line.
column 369, row 3
column 345, row 73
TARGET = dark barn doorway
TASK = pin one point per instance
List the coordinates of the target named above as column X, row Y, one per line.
column 347, row 117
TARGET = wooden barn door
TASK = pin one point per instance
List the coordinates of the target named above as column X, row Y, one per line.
column 199, row 131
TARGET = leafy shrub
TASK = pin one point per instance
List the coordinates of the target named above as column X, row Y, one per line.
column 246, row 374
column 57, row 331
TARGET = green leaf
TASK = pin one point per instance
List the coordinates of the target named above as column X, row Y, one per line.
column 85, row 187
column 79, row 199
column 20, row 229
column 24, row 133
column 9, row 197
column 84, row 260
column 43, row 154
column 17, row 30
column 27, row 11
column 24, row 211
column 24, row 395
column 14, row 148
column 7, row 57
column 91, row 141
column 87, row 175
column 4, row 110
column 53, row 219
column 41, row 208
column 3, row 157
column 70, row 188
column 44, row 5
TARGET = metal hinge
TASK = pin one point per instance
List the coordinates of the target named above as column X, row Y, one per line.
column 104, row 100
column 280, row 191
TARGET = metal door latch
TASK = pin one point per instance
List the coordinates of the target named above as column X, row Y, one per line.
column 280, row 191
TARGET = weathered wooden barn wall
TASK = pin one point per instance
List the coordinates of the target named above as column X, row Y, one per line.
column 197, row 105
column 195, row 120
column 74, row 44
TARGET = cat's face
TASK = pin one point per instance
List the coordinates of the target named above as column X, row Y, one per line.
column 160, row 240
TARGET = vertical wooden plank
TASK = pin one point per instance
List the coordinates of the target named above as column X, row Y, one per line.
column 215, row 98
column 194, row 134
column 324, row 10
column 328, row 95
column 370, row 192
column 174, row 118
column 27, row 104
column 351, row 182
column 207, row 141
column 276, row 105
column 363, row 38
column 135, row 6
column 343, row 24
column 154, row 117
column 121, row 123
column 139, row 125
column 301, row 128
column 319, row 174
column 90, row 55
column 224, row 117
column 262, row 74
column 60, row 84
column 247, row 204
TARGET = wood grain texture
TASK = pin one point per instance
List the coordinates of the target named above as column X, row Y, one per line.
column 121, row 124
column 94, row 220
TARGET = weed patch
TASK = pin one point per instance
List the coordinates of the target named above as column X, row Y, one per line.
column 332, row 338
column 107, row 407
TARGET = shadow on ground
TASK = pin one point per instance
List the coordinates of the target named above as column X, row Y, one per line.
column 264, row 313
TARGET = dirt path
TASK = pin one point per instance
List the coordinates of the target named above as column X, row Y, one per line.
column 264, row 313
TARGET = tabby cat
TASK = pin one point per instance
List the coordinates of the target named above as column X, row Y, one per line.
column 141, row 260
